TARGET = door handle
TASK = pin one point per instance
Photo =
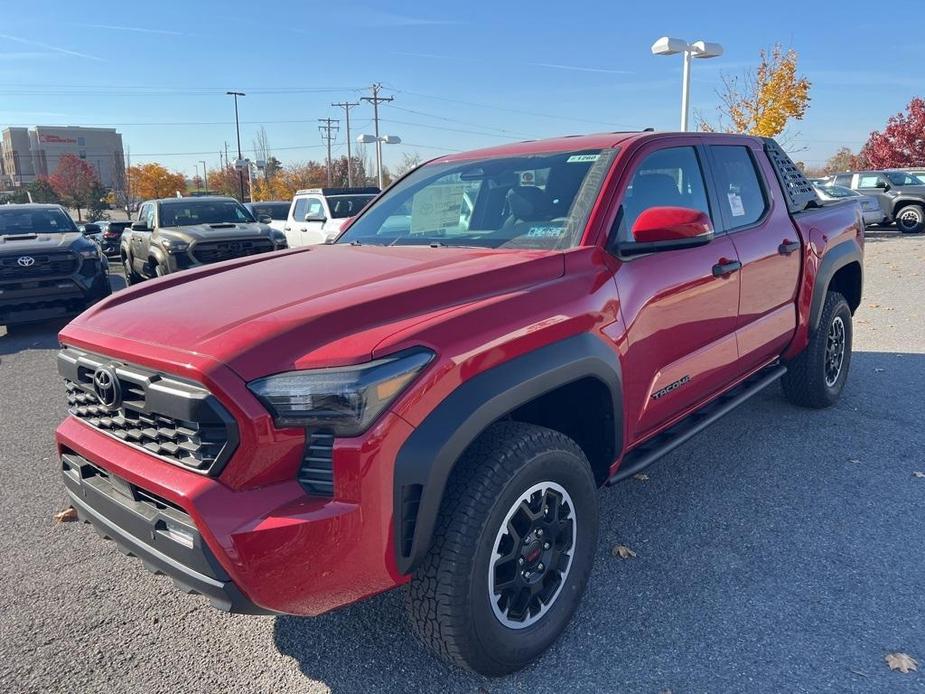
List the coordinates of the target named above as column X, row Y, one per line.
column 724, row 267
column 287, row 228
column 788, row 247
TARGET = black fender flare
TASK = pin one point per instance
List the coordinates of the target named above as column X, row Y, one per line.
column 426, row 459
column 902, row 201
column 835, row 259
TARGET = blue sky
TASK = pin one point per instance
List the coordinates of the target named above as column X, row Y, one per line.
column 463, row 75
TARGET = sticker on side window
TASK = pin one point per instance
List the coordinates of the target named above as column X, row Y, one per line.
column 582, row 158
column 735, row 205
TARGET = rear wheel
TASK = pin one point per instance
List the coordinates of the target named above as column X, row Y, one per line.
column 817, row 376
column 911, row 219
column 131, row 277
column 512, row 550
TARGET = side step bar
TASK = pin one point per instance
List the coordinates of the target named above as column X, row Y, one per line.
column 642, row 457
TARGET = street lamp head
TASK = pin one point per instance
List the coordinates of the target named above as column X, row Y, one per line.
column 391, row 139
column 669, row 46
column 704, row 49
column 366, row 139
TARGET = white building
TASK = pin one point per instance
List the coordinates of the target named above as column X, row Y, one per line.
column 29, row 153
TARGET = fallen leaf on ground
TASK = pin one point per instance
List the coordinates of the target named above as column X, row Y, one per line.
column 641, row 476
column 853, row 460
column 873, row 305
column 68, row 515
column 623, row 552
column 901, row 661
column 920, row 475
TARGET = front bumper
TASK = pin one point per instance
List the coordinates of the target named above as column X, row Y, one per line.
column 272, row 548
column 48, row 298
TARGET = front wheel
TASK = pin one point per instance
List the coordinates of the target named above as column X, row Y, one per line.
column 511, row 553
column 817, row 376
column 911, row 219
column 131, row 277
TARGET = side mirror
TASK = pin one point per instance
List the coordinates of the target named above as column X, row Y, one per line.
column 316, row 218
column 89, row 229
column 140, row 226
column 883, row 185
column 264, row 219
column 668, row 229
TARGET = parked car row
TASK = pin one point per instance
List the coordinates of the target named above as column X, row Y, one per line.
column 900, row 194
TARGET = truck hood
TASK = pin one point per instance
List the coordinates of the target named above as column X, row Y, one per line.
column 24, row 244
column 311, row 307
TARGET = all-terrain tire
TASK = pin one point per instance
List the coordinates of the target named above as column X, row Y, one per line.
column 131, row 277
column 911, row 219
column 450, row 597
column 812, row 379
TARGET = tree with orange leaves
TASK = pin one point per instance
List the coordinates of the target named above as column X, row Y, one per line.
column 151, row 181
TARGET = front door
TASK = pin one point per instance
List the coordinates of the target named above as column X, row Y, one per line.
column 680, row 306
column 768, row 245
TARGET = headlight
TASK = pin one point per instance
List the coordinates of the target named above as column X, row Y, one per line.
column 89, row 253
column 344, row 401
column 174, row 246
column 279, row 239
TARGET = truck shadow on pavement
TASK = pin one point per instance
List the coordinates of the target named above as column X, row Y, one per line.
column 780, row 550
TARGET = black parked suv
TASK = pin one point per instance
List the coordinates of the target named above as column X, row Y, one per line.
column 901, row 195
column 48, row 268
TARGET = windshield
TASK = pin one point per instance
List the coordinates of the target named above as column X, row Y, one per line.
column 190, row 212
column 274, row 210
column 897, row 178
column 535, row 201
column 838, row 191
column 347, row 205
column 18, row 220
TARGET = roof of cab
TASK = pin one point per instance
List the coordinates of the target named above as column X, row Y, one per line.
column 577, row 142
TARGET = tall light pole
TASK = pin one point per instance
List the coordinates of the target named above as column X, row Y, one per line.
column 347, row 105
column 205, row 175
column 237, row 129
column 698, row 49
column 379, row 140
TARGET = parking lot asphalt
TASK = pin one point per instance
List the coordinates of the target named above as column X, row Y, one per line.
column 782, row 550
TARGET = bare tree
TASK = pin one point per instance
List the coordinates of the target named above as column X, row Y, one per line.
column 262, row 149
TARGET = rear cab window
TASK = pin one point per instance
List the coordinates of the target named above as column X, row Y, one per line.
column 739, row 186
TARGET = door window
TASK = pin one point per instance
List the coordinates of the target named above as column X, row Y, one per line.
column 149, row 216
column 868, row 180
column 666, row 178
column 740, row 192
column 298, row 212
column 315, row 207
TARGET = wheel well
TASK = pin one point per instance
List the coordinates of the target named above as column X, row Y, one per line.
column 847, row 282
column 904, row 203
column 583, row 411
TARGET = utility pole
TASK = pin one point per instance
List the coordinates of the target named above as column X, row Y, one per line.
column 347, row 105
column 128, row 181
column 375, row 100
column 205, row 175
column 237, row 129
column 328, row 130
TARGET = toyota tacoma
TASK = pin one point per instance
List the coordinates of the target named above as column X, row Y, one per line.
column 174, row 234
column 48, row 268
column 435, row 398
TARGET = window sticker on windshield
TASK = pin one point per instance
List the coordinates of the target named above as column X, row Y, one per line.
column 582, row 158
column 436, row 207
column 735, row 204
column 546, row 231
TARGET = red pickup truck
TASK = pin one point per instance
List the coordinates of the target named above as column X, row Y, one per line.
column 436, row 398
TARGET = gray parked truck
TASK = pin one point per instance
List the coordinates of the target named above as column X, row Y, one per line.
column 901, row 195
column 174, row 234
column 48, row 268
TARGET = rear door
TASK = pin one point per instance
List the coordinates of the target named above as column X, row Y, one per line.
column 680, row 306
column 757, row 221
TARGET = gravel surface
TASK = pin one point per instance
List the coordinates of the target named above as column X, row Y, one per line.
column 783, row 550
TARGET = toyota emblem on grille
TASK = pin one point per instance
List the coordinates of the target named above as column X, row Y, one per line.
column 106, row 387
column 26, row 261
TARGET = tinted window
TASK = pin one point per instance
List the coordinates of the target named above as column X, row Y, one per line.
column 843, row 179
column 537, row 201
column 740, row 193
column 666, row 178
column 20, row 220
column 898, row 178
column 274, row 210
column 192, row 211
column 347, row 205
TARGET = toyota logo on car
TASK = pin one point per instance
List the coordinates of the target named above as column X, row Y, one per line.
column 26, row 261
column 106, row 387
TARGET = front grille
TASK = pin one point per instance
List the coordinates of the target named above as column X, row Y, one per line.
column 43, row 265
column 175, row 420
column 215, row 251
column 316, row 474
